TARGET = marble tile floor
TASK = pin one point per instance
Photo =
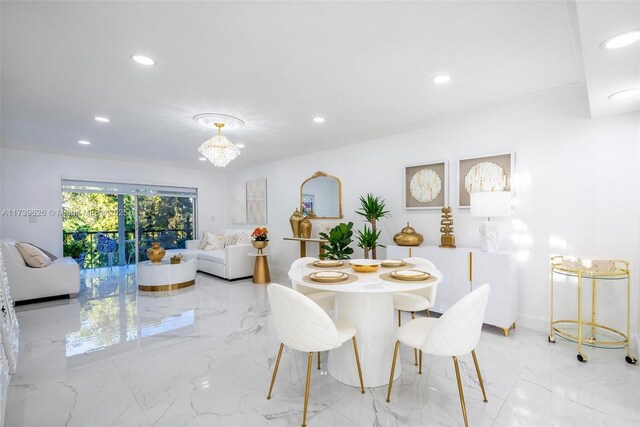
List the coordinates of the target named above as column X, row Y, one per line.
column 204, row 356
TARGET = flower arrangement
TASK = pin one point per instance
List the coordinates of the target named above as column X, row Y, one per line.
column 260, row 234
column 177, row 259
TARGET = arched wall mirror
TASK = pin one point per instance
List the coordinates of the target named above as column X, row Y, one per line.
column 321, row 196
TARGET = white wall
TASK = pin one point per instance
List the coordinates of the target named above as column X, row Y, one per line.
column 32, row 180
column 576, row 188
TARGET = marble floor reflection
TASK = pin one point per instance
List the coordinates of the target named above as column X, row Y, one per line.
column 204, row 355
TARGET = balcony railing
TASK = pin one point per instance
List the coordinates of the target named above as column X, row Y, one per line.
column 83, row 245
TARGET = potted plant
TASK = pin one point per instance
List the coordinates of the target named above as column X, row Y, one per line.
column 367, row 240
column 260, row 238
column 339, row 238
column 372, row 209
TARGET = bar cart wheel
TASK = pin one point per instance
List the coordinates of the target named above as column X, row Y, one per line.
column 582, row 358
column 631, row 360
column 551, row 339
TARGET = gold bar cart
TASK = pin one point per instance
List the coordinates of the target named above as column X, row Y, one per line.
column 609, row 270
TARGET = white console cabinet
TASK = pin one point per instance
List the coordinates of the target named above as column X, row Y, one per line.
column 464, row 269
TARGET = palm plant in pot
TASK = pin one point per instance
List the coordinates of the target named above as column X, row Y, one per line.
column 372, row 209
column 339, row 237
column 368, row 240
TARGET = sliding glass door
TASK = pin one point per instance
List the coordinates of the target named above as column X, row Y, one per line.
column 164, row 219
column 107, row 224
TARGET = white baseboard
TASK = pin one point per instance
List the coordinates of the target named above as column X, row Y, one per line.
column 529, row 321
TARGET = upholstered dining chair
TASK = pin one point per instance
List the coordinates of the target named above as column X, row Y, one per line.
column 302, row 325
column 455, row 333
column 325, row 299
column 418, row 300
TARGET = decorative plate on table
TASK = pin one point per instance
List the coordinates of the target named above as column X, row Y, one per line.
column 410, row 275
column 390, row 263
column 328, row 276
column 328, row 263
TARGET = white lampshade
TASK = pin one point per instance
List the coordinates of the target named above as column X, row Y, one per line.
column 491, row 204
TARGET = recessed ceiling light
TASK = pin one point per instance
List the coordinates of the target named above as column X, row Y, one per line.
column 628, row 93
column 84, row 142
column 143, row 60
column 318, row 119
column 621, row 40
column 240, row 145
column 202, row 159
column 101, row 119
column 441, row 79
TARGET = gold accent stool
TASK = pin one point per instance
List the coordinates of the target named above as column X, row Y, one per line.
column 305, row 228
column 294, row 220
column 408, row 237
column 260, row 245
column 261, row 273
column 156, row 252
column 607, row 271
column 447, row 240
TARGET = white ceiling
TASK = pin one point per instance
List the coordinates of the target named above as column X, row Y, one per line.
column 609, row 71
column 365, row 66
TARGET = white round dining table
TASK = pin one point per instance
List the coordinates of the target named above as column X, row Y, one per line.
column 367, row 304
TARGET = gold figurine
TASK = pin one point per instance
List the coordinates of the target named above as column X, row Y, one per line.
column 447, row 240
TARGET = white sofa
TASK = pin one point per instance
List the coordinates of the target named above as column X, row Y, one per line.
column 229, row 263
column 61, row 277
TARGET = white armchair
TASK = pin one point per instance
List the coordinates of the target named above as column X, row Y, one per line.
column 455, row 333
column 61, row 277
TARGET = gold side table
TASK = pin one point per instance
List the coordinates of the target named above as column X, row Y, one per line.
column 610, row 271
column 261, row 274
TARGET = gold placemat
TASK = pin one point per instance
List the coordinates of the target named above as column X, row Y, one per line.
column 387, row 277
column 352, row 278
column 404, row 266
column 340, row 267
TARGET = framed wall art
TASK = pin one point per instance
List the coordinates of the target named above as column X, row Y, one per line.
column 257, row 201
column 426, row 186
column 487, row 173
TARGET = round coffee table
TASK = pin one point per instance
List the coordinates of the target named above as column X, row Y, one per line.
column 164, row 276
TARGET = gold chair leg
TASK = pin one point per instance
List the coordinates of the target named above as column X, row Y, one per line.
column 306, row 390
column 464, row 408
column 275, row 371
column 355, row 349
column 428, row 313
column 420, row 367
column 393, row 368
column 399, row 318
column 318, row 360
column 475, row 361
column 415, row 351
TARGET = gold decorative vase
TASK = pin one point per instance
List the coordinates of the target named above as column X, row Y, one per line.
column 305, row 228
column 155, row 253
column 260, row 245
column 294, row 220
column 408, row 237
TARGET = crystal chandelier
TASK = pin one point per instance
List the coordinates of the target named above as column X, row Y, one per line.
column 219, row 150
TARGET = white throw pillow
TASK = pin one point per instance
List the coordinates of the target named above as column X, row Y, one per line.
column 232, row 239
column 33, row 256
column 203, row 241
column 215, row 241
column 243, row 240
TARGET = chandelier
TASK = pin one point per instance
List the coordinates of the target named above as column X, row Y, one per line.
column 218, row 149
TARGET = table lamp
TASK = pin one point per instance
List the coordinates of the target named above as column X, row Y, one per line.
column 490, row 204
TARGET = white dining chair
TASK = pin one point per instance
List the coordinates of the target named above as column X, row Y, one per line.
column 325, row 299
column 418, row 300
column 302, row 325
column 455, row 333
